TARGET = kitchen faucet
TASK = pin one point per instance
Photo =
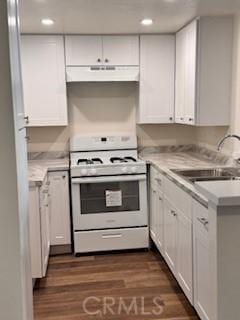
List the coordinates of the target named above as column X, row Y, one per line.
column 225, row 138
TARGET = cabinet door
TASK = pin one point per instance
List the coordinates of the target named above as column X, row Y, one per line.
column 44, row 82
column 170, row 235
column 83, row 50
column 35, row 233
column 121, row 50
column 157, row 79
column 180, row 77
column 45, row 230
column 60, row 208
column 186, row 74
column 184, row 255
column 190, row 72
column 160, row 221
column 153, row 214
column 202, row 278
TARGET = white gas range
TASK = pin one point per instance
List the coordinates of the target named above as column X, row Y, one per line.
column 109, row 193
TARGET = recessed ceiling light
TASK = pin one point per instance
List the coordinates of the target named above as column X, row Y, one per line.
column 47, row 22
column 147, row 22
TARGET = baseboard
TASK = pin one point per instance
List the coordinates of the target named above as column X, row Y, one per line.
column 60, row 249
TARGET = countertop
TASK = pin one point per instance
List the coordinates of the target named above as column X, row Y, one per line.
column 221, row 193
column 38, row 169
column 165, row 161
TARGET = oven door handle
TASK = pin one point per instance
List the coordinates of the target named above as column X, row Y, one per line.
column 141, row 177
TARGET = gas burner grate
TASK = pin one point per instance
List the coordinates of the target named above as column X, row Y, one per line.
column 90, row 161
column 122, row 160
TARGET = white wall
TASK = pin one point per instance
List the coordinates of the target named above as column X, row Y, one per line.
column 103, row 108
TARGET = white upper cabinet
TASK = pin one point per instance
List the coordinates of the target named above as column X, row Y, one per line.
column 102, row 50
column 204, row 72
column 157, row 77
column 83, row 50
column 121, row 50
column 44, row 82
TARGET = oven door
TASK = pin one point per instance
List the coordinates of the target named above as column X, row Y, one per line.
column 109, row 202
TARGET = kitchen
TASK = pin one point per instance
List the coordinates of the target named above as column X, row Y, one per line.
column 133, row 194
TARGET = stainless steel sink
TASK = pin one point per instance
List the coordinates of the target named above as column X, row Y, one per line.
column 209, row 174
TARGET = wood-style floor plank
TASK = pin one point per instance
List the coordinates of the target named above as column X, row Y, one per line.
column 127, row 282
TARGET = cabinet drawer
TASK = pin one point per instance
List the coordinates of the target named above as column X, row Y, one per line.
column 156, row 179
column 116, row 239
column 179, row 198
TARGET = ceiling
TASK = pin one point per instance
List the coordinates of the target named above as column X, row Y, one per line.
column 117, row 16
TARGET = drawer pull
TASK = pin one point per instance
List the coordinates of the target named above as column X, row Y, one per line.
column 160, row 199
column 173, row 213
column 203, row 221
column 110, row 236
column 158, row 180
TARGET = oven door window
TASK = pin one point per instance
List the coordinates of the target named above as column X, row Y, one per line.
column 109, row 197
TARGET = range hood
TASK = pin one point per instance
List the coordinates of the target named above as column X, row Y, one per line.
column 102, row 74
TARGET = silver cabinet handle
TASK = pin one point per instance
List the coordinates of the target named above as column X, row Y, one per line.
column 173, row 213
column 203, row 221
column 26, row 118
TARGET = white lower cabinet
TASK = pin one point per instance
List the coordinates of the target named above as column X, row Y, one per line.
column 184, row 255
column 170, row 235
column 60, row 208
column 39, row 224
column 157, row 210
column 171, row 228
column 202, row 281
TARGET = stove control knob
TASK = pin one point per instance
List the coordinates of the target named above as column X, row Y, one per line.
column 93, row 171
column 124, row 169
column 134, row 169
column 84, row 172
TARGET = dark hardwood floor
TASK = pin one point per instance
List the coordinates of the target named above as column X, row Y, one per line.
column 119, row 286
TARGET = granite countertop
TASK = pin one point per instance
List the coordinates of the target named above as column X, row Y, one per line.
column 221, row 193
column 184, row 159
column 38, row 169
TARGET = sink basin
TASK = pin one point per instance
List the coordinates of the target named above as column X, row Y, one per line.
column 209, row 174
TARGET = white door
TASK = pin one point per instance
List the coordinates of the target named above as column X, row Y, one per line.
column 202, row 277
column 180, row 77
column 60, row 208
column 157, row 77
column 170, row 235
column 190, row 72
column 83, row 50
column 44, row 82
column 121, row 50
column 184, row 255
